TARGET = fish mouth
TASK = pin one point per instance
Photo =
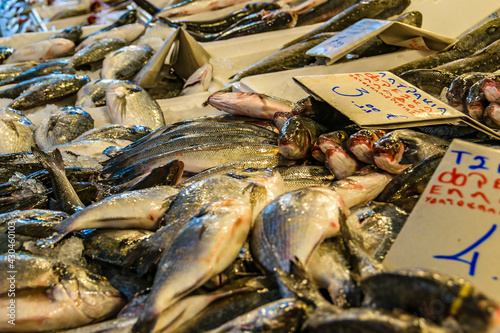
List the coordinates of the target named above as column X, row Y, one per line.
column 290, row 149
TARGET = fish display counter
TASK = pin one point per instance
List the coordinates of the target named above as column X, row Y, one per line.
column 244, row 166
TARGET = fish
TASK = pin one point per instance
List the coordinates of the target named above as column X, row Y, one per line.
column 249, row 104
column 95, row 91
column 361, row 143
column 129, row 17
column 491, row 88
column 293, row 225
column 483, row 60
column 458, row 89
column 8, row 71
column 361, row 187
column 119, row 132
column 129, row 32
column 168, row 174
column 63, row 126
column 323, row 11
column 300, row 176
column 492, row 115
column 47, row 49
column 193, row 7
column 72, row 33
column 129, row 104
column 5, row 53
column 208, row 243
column 81, row 9
column 276, row 20
column 298, row 135
column 16, row 90
column 220, row 24
column 58, row 66
column 199, row 81
column 89, row 148
column 473, row 311
column 476, row 102
column 322, row 113
column 124, row 63
column 401, row 148
column 77, row 297
column 475, row 40
column 96, row 51
column 432, row 81
column 46, row 91
column 117, row 211
column 17, row 132
column 287, row 58
column 64, row 192
column 45, row 215
column 354, row 13
column 280, row 118
column 341, row 162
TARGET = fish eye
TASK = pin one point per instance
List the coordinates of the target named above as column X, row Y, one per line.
column 397, row 145
column 340, row 135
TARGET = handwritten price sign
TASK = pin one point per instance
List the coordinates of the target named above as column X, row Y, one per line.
column 454, row 226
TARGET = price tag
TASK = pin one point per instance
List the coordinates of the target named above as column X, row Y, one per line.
column 383, row 100
column 455, row 226
column 391, row 32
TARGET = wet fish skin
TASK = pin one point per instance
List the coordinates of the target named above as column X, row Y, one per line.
column 47, row 49
column 300, row 176
column 96, row 51
column 298, row 136
column 323, row 12
column 117, row 212
column 432, row 81
column 95, row 91
column 249, row 104
column 476, row 102
column 129, row 104
column 459, row 88
column 125, row 62
column 492, row 115
column 322, row 113
column 361, row 143
column 192, row 7
column 290, row 57
column 11, row 70
column 16, row 90
column 58, row 66
column 199, row 81
column 205, row 247
column 17, row 132
column 50, row 90
column 120, row 132
column 129, row 32
column 72, row 33
column 491, row 88
column 342, row 163
column 129, row 17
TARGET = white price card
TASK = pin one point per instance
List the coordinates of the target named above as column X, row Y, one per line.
column 383, row 100
column 391, row 32
column 455, row 226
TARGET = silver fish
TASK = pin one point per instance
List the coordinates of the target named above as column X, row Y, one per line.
column 118, row 132
column 95, row 91
column 17, row 132
column 124, row 63
column 129, row 32
column 96, row 51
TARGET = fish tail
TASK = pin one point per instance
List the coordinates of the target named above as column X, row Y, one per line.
column 52, row 161
column 52, row 240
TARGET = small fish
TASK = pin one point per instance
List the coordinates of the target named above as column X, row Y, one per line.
column 95, row 91
column 129, row 32
column 459, row 88
column 96, row 51
column 62, row 127
column 199, row 81
column 298, row 136
column 129, row 104
column 72, row 33
column 361, row 144
column 47, row 49
column 136, row 209
column 11, row 70
column 59, row 66
column 46, row 91
column 249, row 104
column 124, row 63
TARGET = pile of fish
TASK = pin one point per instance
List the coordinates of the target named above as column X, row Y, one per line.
column 274, row 215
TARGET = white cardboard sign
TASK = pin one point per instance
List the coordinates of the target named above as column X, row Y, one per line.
column 383, row 100
column 454, row 227
column 391, row 32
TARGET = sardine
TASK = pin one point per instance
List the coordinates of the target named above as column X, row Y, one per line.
column 47, row 49
column 129, row 32
column 124, row 63
column 96, row 51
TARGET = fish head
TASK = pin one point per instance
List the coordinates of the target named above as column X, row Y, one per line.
column 59, row 46
column 387, row 153
column 335, row 139
column 318, row 154
column 341, row 163
column 92, row 294
column 280, row 118
column 294, row 141
column 361, row 144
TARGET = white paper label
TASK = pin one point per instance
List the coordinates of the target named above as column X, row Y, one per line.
column 454, row 228
column 378, row 99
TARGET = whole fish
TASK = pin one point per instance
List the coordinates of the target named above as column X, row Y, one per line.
column 324, row 11
column 354, row 13
column 276, row 20
column 8, row 71
column 129, row 104
column 473, row 41
column 459, row 88
column 220, row 24
column 17, row 132
column 432, row 81
column 5, row 53
column 64, row 192
column 300, row 176
column 47, row 49
column 96, row 51
column 129, row 32
column 401, row 148
column 294, row 224
column 207, row 244
column 249, row 104
column 361, row 144
column 72, row 33
column 199, row 81
column 59, row 66
column 76, row 298
column 63, row 126
column 95, row 91
column 46, row 91
column 136, row 209
column 17, row 89
column 119, row 132
column 484, row 60
column 124, row 63
column 298, row 135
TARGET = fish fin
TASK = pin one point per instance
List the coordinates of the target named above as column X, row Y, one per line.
column 51, row 241
column 143, row 256
column 49, row 161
